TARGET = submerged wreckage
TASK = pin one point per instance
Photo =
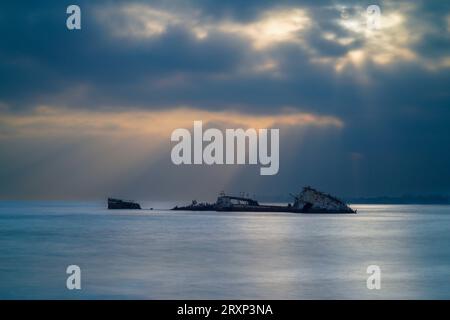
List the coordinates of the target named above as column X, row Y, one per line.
column 308, row 201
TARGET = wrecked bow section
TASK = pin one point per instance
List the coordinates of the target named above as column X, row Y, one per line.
column 313, row 201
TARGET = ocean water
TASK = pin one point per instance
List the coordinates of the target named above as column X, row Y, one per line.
column 208, row 255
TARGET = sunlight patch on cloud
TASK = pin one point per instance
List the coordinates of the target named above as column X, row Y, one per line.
column 272, row 27
column 268, row 65
column 137, row 21
column 156, row 125
column 142, row 21
column 391, row 43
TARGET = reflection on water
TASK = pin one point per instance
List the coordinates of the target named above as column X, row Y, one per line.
column 162, row 254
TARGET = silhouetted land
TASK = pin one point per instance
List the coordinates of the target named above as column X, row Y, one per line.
column 405, row 199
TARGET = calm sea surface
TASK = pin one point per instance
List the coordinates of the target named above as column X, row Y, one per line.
column 179, row 255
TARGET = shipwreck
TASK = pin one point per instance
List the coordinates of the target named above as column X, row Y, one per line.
column 309, row 200
column 122, row 204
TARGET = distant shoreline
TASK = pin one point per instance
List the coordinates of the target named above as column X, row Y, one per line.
column 400, row 200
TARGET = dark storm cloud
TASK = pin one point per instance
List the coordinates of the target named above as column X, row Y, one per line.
column 42, row 62
column 396, row 113
column 41, row 58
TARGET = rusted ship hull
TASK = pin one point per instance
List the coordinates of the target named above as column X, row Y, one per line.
column 308, row 201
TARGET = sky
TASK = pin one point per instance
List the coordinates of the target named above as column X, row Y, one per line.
column 86, row 114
